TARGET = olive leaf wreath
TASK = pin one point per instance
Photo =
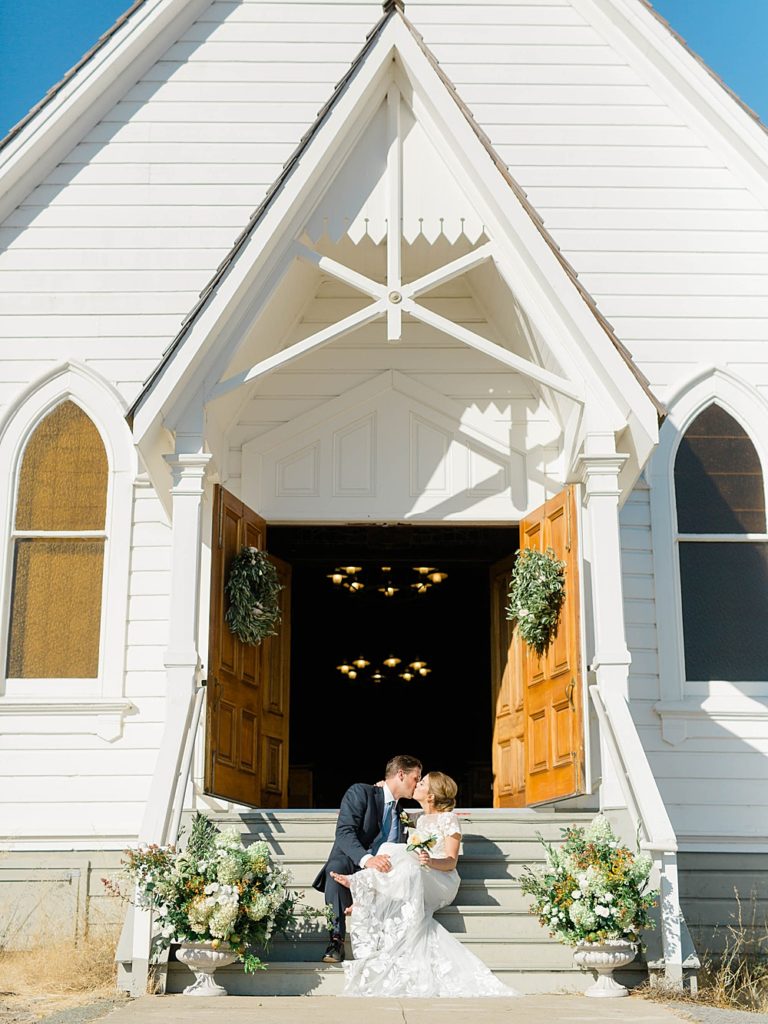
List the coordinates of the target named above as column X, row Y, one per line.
column 252, row 589
column 536, row 595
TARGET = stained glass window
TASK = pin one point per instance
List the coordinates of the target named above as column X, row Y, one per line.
column 58, row 557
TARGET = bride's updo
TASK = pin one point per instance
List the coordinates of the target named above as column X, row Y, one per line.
column 443, row 791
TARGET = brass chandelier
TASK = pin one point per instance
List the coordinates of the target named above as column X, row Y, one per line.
column 388, row 582
column 388, row 668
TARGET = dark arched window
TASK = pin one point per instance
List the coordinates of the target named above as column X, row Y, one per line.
column 58, row 550
column 721, row 532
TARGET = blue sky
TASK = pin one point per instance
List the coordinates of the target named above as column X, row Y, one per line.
column 41, row 39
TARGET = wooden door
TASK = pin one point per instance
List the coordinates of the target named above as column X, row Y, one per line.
column 247, row 703
column 508, row 750
column 276, row 678
column 552, row 685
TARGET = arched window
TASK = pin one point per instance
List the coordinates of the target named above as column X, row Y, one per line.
column 723, row 550
column 58, row 550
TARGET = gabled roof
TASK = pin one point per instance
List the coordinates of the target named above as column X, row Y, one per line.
column 69, row 75
column 392, row 9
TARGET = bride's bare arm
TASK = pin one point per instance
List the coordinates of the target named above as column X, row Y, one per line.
column 451, row 859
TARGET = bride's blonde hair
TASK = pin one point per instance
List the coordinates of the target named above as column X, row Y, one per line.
column 443, row 791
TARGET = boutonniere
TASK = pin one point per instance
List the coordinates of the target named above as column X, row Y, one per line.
column 405, row 818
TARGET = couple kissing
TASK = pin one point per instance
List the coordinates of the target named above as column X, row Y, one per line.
column 389, row 880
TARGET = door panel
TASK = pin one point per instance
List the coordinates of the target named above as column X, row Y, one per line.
column 244, row 680
column 509, row 722
column 276, row 676
column 554, row 738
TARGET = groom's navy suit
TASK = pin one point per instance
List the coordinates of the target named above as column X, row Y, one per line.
column 357, row 830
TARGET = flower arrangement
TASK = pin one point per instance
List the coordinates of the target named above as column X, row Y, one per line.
column 591, row 889
column 253, row 590
column 215, row 890
column 536, row 595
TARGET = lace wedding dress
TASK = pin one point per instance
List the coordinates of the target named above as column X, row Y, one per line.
column 399, row 948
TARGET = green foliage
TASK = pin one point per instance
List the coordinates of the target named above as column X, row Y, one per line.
column 252, row 590
column 536, row 596
column 591, row 889
column 216, row 890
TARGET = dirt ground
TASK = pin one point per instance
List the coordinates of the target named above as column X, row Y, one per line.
column 56, row 980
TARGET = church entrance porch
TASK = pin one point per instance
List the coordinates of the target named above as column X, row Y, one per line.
column 348, row 719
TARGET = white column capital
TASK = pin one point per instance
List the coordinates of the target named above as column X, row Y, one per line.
column 188, row 471
column 599, row 473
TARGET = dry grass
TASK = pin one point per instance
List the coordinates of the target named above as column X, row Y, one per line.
column 54, row 976
column 737, row 977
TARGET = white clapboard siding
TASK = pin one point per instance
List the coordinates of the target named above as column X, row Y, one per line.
column 685, row 773
column 639, row 596
column 623, row 184
column 95, row 771
column 142, row 737
column 105, row 258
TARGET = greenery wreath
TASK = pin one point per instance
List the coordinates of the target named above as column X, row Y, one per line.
column 536, row 595
column 252, row 589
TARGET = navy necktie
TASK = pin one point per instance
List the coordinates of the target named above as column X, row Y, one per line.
column 387, row 823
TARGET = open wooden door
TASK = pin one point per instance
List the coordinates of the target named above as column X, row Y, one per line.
column 552, row 687
column 508, row 706
column 248, row 687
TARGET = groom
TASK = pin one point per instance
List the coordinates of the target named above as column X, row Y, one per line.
column 368, row 817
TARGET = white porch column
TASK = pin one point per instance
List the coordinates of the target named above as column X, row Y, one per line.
column 600, row 466
column 182, row 662
column 182, row 659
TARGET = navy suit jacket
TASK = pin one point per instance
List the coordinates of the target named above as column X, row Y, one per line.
column 358, row 826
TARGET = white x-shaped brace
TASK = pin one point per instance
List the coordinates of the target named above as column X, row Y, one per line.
column 394, row 298
column 392, row 303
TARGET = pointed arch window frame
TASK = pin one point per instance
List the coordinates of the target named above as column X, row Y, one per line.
column 685, row 708
column 102, row 695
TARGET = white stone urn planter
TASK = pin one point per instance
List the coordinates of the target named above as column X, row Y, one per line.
column 604, row 958
column 202, row 959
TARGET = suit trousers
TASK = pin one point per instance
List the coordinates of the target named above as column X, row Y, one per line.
column 338, row 896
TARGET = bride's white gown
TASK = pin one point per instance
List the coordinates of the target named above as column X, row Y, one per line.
column 399, row 948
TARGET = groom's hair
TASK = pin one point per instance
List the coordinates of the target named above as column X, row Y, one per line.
column 401, row 763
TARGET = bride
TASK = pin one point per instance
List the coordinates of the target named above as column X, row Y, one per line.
column 399, row 948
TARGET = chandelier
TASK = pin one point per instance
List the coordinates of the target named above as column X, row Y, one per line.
column 387, row 670
column 386, row 580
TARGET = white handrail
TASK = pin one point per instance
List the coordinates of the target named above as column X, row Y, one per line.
column 650, row 818
column 186, row 764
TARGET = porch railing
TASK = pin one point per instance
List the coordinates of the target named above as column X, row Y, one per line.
column 651, row 822
column 134, row 946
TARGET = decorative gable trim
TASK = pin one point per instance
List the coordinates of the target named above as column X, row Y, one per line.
column 526, row 243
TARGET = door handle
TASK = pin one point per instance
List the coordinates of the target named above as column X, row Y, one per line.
column 569, row 690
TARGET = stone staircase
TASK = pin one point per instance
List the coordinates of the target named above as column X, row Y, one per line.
column 489, row 915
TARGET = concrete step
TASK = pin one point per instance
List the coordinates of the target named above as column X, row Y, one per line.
column 302, row 847
column 495, row 951
column 473, row 892
column 317, row 979
column 490, row 915
column 489, row 823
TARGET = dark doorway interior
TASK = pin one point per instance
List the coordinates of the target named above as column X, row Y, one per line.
column 344, row 730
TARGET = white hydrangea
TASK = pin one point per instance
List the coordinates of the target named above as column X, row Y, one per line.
column 230, row 870
column 229, row 840
column 199, row 914
column 582, row 916
column 223, row 919
column 259, row 907
column 599, row 831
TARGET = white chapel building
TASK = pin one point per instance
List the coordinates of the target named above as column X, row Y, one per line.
column 388, row 293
